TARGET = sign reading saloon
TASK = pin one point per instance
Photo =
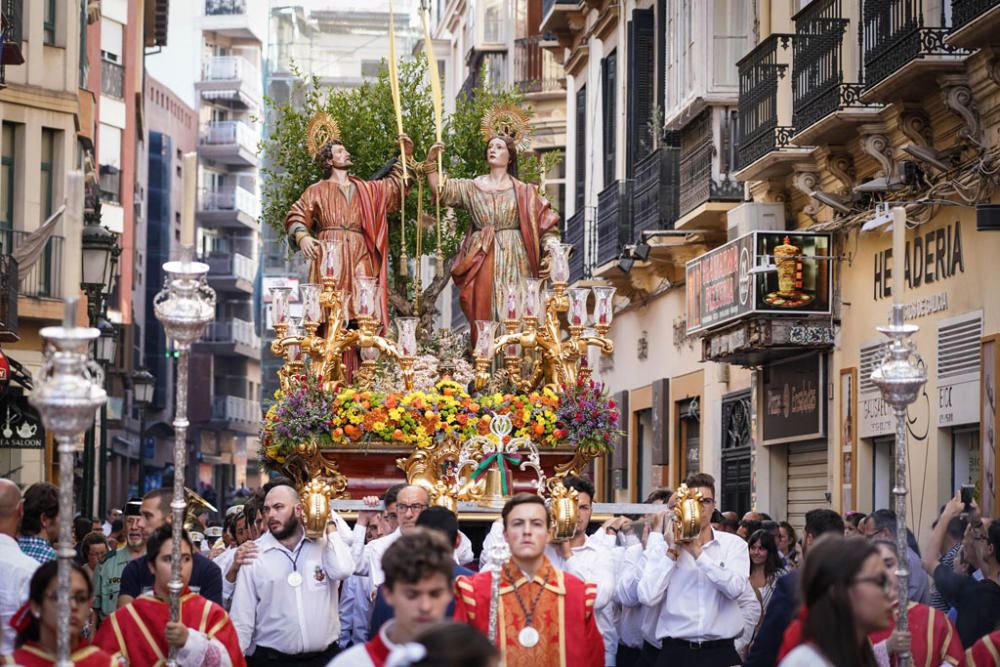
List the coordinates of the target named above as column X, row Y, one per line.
column 721, row 288
column 793, row 400
column 20, row 425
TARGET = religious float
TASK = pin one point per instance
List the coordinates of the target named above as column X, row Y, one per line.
column 473, row 419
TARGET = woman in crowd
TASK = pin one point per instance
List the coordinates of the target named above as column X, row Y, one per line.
column 788, row 544
column 37, row 621
column 852, row 524
column 205, row 637
column 847, row 596
column 446, row 645
column 765, row 566
column 931, row 637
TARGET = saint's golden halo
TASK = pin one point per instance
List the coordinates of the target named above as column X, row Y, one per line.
column 506, row 120
column 322, row 128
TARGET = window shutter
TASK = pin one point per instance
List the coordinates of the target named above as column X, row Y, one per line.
column 661, row 53
column 581, row 147
column 609, row 71
column 641, row 85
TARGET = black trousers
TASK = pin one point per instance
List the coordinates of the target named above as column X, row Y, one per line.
column 265, row 657
column 628, row 656
column 679, row 653
column 648, row 656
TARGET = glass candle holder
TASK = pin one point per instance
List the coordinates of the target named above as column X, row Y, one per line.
column 511, row 302
column 406, row 327
column 485, row 335
column 532, row 298
column 311, row 312
column 559, row 264
column 279, row 304
column 578, row 306
column 603, row 305
column 365, row 289
column 333, row 258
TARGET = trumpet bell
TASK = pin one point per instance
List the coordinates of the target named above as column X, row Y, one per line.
column 565, row 512
column 687, row 515
column 317, row 510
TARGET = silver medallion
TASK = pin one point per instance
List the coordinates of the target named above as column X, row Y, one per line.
column 527, row 637
column 294, row 579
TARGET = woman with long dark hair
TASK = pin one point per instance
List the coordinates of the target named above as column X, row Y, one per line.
column 37, row 622
column 846, row 593
column 765, row 566
column 788, row 544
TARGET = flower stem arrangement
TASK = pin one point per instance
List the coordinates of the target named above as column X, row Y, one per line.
column 581, row 417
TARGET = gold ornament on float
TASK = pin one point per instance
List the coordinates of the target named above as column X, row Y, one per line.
column 564, row 508
column 687, row 514
column 506, row 120
column 322, row 129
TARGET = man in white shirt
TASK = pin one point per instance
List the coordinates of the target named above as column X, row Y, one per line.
column 114, row 514
column 418, row 568
column 410, row 502
column 698, row 584
column 285, row 606
column 592, row 559
column 17, row 567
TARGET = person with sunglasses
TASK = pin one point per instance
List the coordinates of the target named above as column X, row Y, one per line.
column 846, row 596
column 699, row 584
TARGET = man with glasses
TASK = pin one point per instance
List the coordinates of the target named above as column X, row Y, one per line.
column 699, row 585
column 976, row 601
column 411, row 500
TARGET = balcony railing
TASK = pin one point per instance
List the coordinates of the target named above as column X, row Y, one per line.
column 231, row 68
column 233, row 331
column 236, row 266
column 225, row 7
column 535, row 68
column 231, row 199
column 896, row 33
column 8, row 294
column 760, row 71
column 655, row 190
column 698, row 154
column 12, row 36
column 110, row 181
column 964, row 12
column 548, row 5
column 234, row 133
column 43, row 278
column 575, row 235
column 235, row 409
column 112, row 80
column 614, row 224
column 493, row 64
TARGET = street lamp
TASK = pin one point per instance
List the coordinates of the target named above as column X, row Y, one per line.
column 143, row 386
column 106, row 353
column 107, row 343
column 99, row 259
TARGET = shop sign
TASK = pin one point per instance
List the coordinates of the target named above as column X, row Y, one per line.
column 793, row 402
column 931, row 257
column 4, row 371
column 20, row 425
column 720, row 287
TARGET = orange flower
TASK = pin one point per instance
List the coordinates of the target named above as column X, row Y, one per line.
column 397, row 434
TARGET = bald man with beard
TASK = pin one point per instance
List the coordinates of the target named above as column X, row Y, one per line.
column 17, row 567
column 286, row 602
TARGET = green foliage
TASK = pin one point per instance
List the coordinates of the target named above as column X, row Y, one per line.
column 368, row 128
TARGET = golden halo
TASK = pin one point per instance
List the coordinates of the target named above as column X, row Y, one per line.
column 322, row 128
column 506, row 120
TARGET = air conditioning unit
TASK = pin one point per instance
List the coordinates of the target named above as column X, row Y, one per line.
column 754, row 217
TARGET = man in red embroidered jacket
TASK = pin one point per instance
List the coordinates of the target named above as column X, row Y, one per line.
column 545, row 617
column 418, row 587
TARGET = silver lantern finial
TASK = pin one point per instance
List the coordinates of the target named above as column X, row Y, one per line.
column 68, row 390
column 184, row 307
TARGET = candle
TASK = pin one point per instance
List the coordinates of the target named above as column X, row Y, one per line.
column 898, row 252
column 190, row 195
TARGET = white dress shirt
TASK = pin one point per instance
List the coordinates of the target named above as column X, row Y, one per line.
column 355, row 610
column 751, row 610
column 268, row 611
column 594, row 563
column 368, row 557
column 17, row 571
column 225, row 561
column 699, row 598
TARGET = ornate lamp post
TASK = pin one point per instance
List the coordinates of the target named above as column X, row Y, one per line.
column 901, row 376
column 106, row 352
column 68, row 389
column 143, row 386
column 184, row 307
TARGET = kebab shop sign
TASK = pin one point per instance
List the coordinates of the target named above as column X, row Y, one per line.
column 719, row 286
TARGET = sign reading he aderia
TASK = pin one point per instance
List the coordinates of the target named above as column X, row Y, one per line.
column 721, row 286
column 20, row 424
column 793, row 400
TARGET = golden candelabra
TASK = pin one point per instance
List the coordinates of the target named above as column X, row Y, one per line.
column 534, row 348
column 323, row 335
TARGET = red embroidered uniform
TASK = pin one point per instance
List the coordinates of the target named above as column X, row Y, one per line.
column 136, row 631
column 985, row 652
column 33, row 655
column 564, row 617
column 372, row 653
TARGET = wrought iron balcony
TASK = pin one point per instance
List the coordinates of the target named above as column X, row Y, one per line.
column 656, row 189
column 964, row 12
column 43, row 279
column 760, row 71
column 897, row 33
column 697, row 158
column 225, row 7
column 11, row 28
column 535, row 68
column 614, row 221
column 8, row 298
column 575, row 234
column 975, row 23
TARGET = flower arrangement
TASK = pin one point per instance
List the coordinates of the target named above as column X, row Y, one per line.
column 583, row 417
